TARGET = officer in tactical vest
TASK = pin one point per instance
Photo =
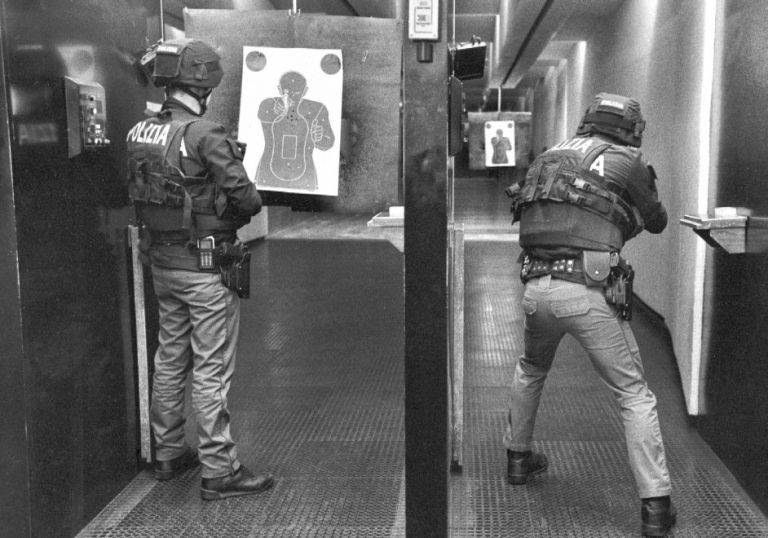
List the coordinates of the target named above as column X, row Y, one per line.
column 191, row 194
column 578, row 204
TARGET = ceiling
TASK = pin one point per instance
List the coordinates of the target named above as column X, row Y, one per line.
column 526, row 38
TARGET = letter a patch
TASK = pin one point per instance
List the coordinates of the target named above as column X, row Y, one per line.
column 598, row 166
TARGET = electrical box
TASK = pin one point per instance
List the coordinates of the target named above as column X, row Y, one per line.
column 469, row 60
column 423, row 17
column 86, row 116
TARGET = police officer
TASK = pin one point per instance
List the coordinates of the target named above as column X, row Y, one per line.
column 191, row 194
column 578, row 204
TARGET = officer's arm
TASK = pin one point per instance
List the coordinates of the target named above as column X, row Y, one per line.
column 642, row 190
column 224, row 160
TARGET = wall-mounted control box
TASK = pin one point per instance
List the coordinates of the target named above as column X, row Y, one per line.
column 423, row 17
column 86, row 116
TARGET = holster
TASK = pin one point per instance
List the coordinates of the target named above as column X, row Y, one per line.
column 611, row 272
column 235, row 266
column 619, row 291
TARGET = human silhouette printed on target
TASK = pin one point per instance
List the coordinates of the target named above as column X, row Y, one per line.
column 293, row 128
column 501, row 145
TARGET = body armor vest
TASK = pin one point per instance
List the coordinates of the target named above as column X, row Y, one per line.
column 563, row 203
column 170, row 203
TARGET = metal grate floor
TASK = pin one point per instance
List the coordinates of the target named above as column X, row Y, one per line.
column 588, row 490
column 317, row 399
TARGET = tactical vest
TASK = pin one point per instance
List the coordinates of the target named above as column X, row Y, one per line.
column 170, row 203
column 563, row 203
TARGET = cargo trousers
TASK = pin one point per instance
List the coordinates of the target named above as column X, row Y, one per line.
column 199, row 323
column 555, row 307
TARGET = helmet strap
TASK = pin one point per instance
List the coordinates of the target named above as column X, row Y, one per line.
column 200, row 98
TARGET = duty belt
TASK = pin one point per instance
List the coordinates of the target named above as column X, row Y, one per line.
column 607, row 270
column 565, row 268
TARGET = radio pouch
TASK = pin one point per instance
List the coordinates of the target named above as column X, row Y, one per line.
column 596, row 266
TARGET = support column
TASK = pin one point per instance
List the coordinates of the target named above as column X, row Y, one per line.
column 15, row 510
column 425, row 129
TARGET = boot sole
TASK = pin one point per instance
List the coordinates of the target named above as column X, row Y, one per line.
column 213, row 495
column 522, row 479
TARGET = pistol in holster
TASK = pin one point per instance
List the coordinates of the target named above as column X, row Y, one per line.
column 611, row 272
column 619, row 290
column 515, row 192
column 235, row 266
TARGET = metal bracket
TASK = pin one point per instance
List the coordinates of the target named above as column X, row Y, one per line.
column 734, row 230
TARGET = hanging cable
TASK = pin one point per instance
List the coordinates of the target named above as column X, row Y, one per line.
column 453, row 30
column 162, row 20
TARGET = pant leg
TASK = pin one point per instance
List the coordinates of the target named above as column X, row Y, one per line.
column 215, row 318
column 541, row 337
column 614, row 353
column 172, row 365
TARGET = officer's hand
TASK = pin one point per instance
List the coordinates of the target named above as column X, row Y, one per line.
column 316, row 131
column 279, row 106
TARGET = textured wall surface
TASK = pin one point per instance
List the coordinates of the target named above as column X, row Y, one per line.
column 655, row 56
column 370, row 178
column 737, row 370
column 651, row 51
column 654, row 52
column 76, row 393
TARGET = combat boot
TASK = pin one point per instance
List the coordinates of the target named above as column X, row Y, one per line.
column 521, row 465
column 165, row 470
column 243, row 482
column 659, row 516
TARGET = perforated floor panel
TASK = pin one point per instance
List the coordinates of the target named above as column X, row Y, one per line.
column 318, row 400
column 588, row 490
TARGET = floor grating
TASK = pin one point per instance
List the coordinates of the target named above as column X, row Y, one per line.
column 318, row 399
column 588, row 490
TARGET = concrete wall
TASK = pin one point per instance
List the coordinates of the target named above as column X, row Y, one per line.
column 652, row 51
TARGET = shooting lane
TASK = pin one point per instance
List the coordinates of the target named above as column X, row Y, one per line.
column 372, row 50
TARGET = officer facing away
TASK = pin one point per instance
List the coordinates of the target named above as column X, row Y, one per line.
column 191, row 194
column 578, row 204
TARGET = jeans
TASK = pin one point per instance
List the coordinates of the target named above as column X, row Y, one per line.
column 555, row 307
column 199, row 322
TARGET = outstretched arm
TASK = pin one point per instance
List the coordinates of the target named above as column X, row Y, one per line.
column 645, row 197
column 320, row 130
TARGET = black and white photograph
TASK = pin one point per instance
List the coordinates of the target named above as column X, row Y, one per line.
column 383, row 268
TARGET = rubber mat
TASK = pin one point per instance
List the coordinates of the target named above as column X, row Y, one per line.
column 588, row 490
column 317, row 399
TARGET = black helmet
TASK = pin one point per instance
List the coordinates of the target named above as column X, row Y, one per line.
column 186, row 62
column 616, row 116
